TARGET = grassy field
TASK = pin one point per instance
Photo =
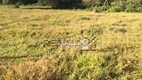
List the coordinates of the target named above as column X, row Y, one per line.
column 114, row 54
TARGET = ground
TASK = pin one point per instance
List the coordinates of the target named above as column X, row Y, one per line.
column 25, row 52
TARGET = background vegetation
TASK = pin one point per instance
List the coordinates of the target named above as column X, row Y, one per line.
column 96, row 5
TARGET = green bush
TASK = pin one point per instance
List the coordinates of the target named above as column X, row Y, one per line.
column 17, row 5
column 62, row 3
column 16, row 1
column 9, row 1
column 132, row 5
column 127, row 5
column 139, row 9
column 28, row 1
column 52, row 3
column 98, row 9
column 96, row 5
column 0, row 1
column 93, row 3
column 114, row 5
column 115, row 9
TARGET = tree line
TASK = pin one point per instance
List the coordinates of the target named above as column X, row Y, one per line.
column 97, row 5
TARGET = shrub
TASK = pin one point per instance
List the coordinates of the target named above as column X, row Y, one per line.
column 62, row 3
column 127, row 5
column 114, row 5
column 17, row 5
column 16, row 1
column 98, row 9
column 52, row 3
column 0, row 1
column 92, row 3
column 96, row 5
column 28, row 1
column 9, row 1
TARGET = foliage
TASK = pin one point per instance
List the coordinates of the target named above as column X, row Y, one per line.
column 16, row 1
column 62, row 3
column 92, row 3
column 0, row 1
column 107, row 5
column 17, row 5
column 52, row 3
column 28, row 1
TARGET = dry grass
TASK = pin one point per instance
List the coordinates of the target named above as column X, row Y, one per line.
column 24, row 53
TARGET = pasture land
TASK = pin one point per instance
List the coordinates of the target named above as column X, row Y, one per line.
column 26, row 51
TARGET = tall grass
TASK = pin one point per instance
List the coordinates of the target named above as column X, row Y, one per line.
column 114, row 54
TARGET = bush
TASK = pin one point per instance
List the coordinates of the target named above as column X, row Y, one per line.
column 98, row 9
column 28, row 1
column 127, row 5
column 115, row 9
column 17, row 5
column 0, row 1
column 52, row 3
column 16, row 1
column 132, row 5
column 114, row 5
column 92, row 3
column 9, row 1
column 62, row 3
column 96, row 5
